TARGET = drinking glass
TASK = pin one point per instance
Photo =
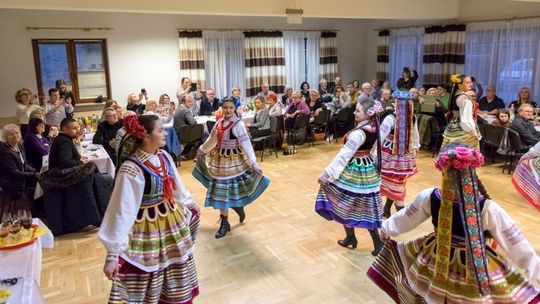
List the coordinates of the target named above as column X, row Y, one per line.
column 4, row 233
column 6, row 218
column 14, row 231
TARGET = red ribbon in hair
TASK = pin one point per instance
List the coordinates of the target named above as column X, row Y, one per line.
column 134, row 127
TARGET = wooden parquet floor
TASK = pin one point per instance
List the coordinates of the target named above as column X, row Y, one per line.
column 283, row 253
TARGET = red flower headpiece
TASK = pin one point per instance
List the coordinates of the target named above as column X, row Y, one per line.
column 134, row 127
column 459, row 158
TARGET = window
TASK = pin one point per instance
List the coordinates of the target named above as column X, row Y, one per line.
column 82, row 64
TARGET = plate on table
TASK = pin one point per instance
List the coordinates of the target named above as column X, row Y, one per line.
column 27, row 239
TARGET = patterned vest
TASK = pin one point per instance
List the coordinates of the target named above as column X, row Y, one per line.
column 153, row 183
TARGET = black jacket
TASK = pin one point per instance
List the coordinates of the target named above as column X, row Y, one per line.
column 63, row 153
column 208, row 107
column 14, row 175
column 528, row 134
column 105, row 132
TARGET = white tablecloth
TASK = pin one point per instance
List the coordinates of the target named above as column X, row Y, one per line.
column 95, row 153
column 247, row 117
column 25, row 264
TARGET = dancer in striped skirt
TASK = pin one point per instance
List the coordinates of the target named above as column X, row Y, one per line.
column 462, row 126
column 400, row 145
column 454, row 264
column 227, row 167
column 150, row 224
column 350, row 185
column 526, row 177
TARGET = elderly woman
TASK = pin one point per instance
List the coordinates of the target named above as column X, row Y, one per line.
column 165, row 104
column 152, row 107
column 25, row 105
column 238, row 102
column 315, row 104
column 275, row 108
column 15, row 172
column 286, row 99
column 261, row 121
column 524, row 96
column 134, row 104
column 57, row 109
column 297, row 106
column 36, row 144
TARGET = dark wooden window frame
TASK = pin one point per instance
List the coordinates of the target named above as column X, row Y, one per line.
column 72, row 64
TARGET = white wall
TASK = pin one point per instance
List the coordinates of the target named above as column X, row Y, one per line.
column 142, row 48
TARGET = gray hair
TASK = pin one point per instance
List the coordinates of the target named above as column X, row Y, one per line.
column 7, row 129
column 365, row 85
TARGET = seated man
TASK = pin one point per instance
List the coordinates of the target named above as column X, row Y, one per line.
column 183, row 117
column 76, row 194
column 106, row 132
column 490, row 104
column 209, row 103
column 525, row 127
column 265, row 88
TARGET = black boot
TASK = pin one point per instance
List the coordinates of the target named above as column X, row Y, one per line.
column 223, row 228
column 241, row 213
column 377, row 243
column 399, row 207
column 350, row 239
column 387, row 206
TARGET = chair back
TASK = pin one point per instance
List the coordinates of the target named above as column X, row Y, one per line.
column 301, row 121
column 515, row 141
column 492, row 135
column 345, row 115
column 190, row 134
column 280, row 125
column 322, row 118
column 273, row 124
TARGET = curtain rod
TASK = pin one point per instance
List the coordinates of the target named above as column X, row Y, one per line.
column 254, row 30
column 83, row 29
column 457, row 21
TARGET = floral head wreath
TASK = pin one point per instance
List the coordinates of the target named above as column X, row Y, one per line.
column 134, row 127
column 456, row 79
column 460, row 184
column 375, row 108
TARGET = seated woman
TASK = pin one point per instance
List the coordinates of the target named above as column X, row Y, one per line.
column 502, row 118
column 526, row 177
column 297, row 106
column 275, row 108
column 524, row 96
column 455, row 264
column 152, row 107
column 35, row 143
column 16, row 175
column 315, row 104
column 261, row 121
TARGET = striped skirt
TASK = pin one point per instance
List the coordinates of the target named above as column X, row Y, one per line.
column 242, row 187
column 405, row 272
column 354, row 199
column 395, row 171
column 455, row 133
column 175, row 283
column 526, row 179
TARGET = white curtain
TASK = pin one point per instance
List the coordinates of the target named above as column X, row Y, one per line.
column 224, row 61
column 295, row 58
column 313, row 42
column 506, row 55
column 406, row 50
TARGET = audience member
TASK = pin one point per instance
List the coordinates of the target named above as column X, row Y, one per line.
column 366, row 89
column 323, row 87
column 491, row 103
column 36, row 144
column 106, row 132
column 209, row 103
column 25, row 105
column 339, row 102
column 524, row 97
column 236, row 96
column 120, row 133
column 64, row 93
column 315, row 103
column 56, row 109
column 297, row 106
column 187, row 89
column 356, row 85
column 50, row 131
column 286, row 99
column 261, row 121
column 525, row 127
column 153, row 108
column 265, row 88
column 406, row 82
column 275, row 108
column 134, row 104
column 304, row 90
column 386, row 99
column 375, row 89
column 502, row 118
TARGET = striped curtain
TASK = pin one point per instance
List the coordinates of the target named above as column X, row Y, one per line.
column 328, row 63
column 383, row 55
column 265, row 61
column 192, row 56
column 444, row 53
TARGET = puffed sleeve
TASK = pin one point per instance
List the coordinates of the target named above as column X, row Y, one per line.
column 123, row 208
column 416, row 135
column 387, row 125
column 414, row 213
column 354, row 140
column 503, row 229
column 466, row 113
column 181, row 194
column 211, row 141
column 533, row 152
column 241, row 134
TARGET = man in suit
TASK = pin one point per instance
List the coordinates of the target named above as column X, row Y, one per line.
column 209, row 104
column 63, row 153
column 184, row 117
column 525, row 127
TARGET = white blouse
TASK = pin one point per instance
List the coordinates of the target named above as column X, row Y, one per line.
column 465, row 105
column 240, row 131
column 389, row 123
column 126, row 200
column 533, row 152
column 23, row 112
column 494, row 219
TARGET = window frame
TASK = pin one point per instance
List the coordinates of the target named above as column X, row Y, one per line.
column 72, row 65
